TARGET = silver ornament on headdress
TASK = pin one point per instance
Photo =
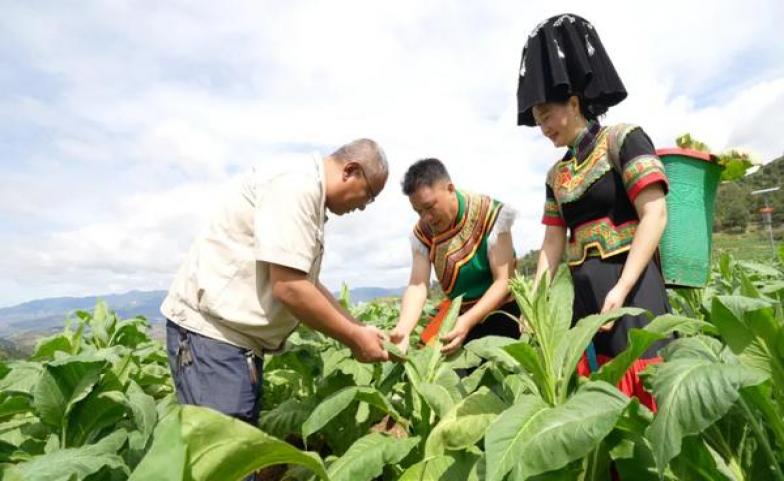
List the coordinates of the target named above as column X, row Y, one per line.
column 561, row 19
column 560, row 52
column 589, row 47
column 536, row 29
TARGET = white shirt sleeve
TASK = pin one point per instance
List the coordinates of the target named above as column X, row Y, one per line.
column 503, row 224
column 417, row 246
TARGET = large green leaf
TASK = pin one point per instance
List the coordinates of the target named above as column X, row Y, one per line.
column 516, row 385
column 754, row 329
column 692, row 393
column 534, row 438
column 462, row 359
column 45, row 348
column 366, row 458
column 465, row 424
column 62, row 464
column 596, row 465
column 101, row 324
column 130, row 332
column 167, row 459
column 335, row 404
column 741, row 319
column 143, row 408
column 571, row 347
column 530, row 359
column 145, row 417
column 437, row 397
column 633, row 457
column 560, row 299
column 474, row 381
column 447, row 378
column 629, row 449
column 491, row 348
column 63, row 384
column 362, row 373
column 198, row 444
column 429, row 469
column 22, row 378
column 639, row 341
column 696, row 462
column 504, row 441
column 12, row 403
column 666, row 324
column 287, row 417
column 98, row 411
column 696, row 347
column 760, row 397
column 448, row 467
column 17, row 430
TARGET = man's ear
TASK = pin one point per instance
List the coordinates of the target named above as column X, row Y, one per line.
column 450, row 187
column 350, row 168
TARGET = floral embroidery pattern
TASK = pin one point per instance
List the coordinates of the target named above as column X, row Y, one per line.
column 570, row 179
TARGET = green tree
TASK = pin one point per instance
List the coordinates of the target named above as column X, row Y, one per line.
column 731, row 210
column 737, row 217
column 526, row 265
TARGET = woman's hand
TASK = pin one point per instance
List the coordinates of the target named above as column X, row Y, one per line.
column 614, row 300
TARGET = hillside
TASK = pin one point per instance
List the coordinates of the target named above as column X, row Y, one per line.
column 736, row 208
column 43, row 315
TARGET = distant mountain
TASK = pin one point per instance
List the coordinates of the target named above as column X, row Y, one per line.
column 365, row 294
column 46, row 314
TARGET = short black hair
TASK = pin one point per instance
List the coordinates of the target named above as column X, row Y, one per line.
column 424, row 173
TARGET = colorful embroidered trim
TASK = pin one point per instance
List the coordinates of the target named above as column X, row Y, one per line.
column 641, row 172
column 552, row 215
column 585, row 142
column 601, row 234
column 570, row 179
column 453, row 249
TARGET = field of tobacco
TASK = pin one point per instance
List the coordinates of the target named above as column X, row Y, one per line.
column 95, row 402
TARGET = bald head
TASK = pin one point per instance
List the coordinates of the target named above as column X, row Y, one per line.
column 368, row 154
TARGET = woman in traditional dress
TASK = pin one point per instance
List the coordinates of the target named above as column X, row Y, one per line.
column 467, row 239
column 608, row 190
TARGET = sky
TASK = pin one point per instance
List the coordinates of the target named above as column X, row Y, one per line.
column 121, row 122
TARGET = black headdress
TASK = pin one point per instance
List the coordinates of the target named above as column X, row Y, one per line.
column 563, row 56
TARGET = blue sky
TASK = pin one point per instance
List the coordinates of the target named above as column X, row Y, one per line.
column 121, row 122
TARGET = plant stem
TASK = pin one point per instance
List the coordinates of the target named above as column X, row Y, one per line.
column 770, row 414
column 763, row 440
column 719, row 443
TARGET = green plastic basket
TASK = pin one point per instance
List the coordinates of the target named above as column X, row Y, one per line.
column 687, row 241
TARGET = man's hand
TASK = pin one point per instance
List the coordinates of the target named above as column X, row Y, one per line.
column 614, row 300
column 399, row 338
column 455, row 338
column 366, row 344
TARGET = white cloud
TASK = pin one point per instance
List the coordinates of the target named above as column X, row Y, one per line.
column 119, row 121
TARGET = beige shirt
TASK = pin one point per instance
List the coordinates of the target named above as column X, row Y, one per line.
column 223, row 290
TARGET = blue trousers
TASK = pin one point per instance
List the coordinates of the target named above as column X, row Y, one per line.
column 214, row 374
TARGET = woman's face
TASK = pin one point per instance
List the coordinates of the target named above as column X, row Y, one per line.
column 560, row 122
